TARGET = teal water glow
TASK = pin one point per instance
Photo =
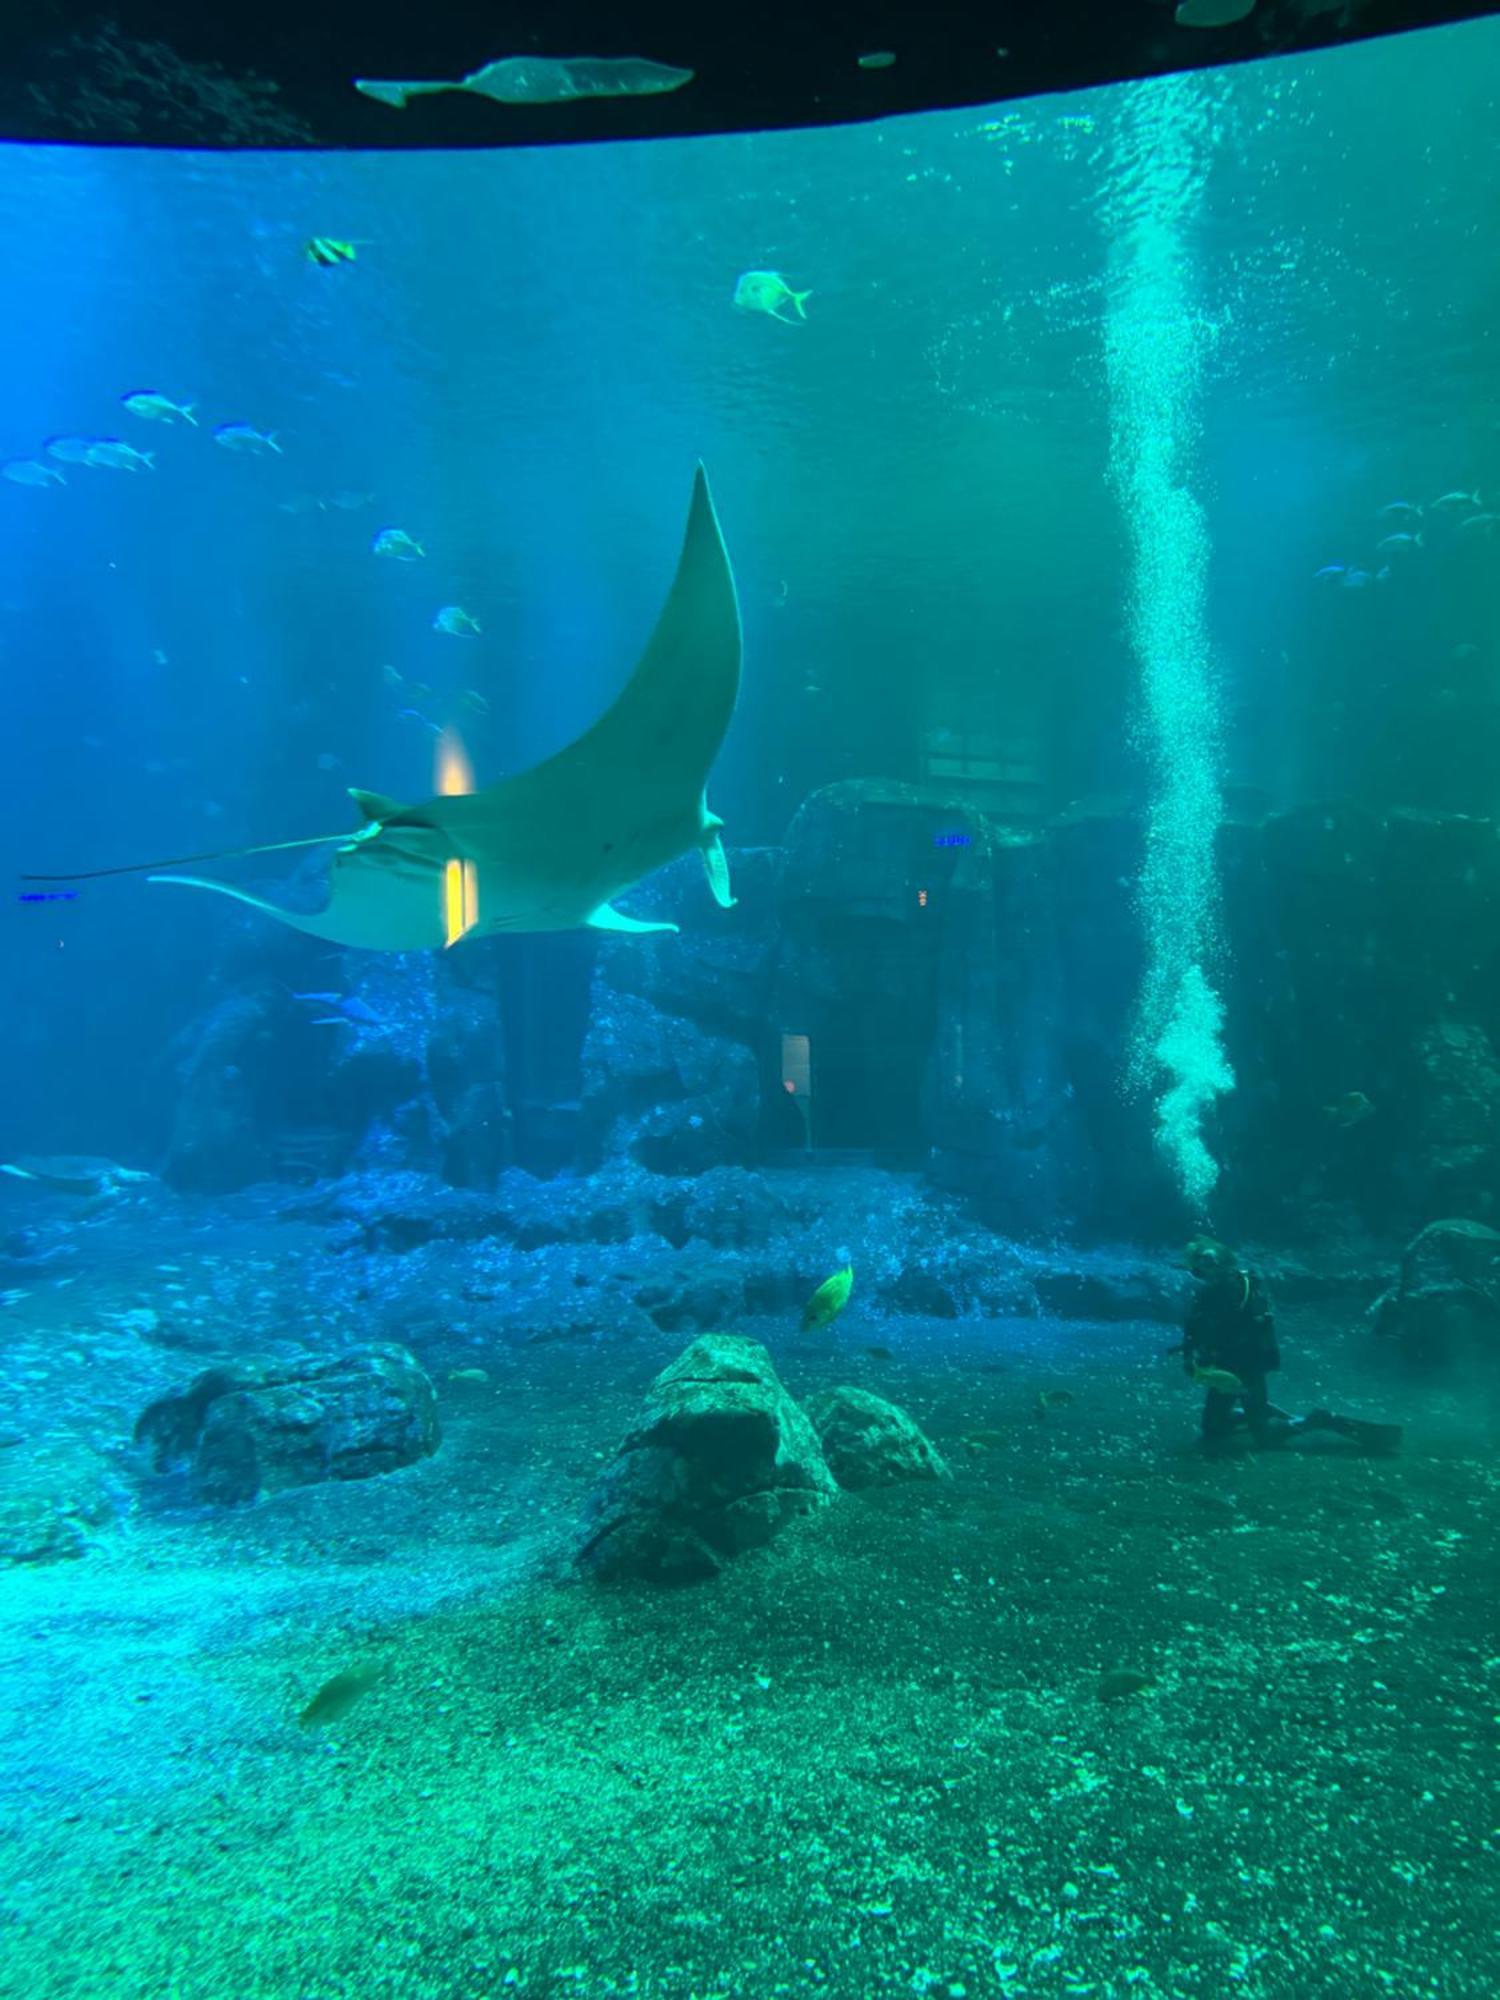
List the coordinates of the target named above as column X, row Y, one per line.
column 1155, row 339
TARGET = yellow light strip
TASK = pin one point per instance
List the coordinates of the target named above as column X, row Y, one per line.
column 460, row 900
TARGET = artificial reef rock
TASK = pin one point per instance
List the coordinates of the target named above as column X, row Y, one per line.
column 253, row 1428
column 719, row 1460
column 870, row 1442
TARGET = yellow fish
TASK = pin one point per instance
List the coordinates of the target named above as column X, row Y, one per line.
column 828, row 1301
column 1220, row 1379
column 327, row 251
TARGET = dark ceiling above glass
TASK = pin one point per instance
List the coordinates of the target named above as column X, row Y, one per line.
column 282, row 73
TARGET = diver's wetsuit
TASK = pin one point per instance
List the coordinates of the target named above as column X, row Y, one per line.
column 1230, row 1325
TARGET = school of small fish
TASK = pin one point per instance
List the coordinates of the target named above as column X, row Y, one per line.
column 51, row 467
column 514, row 80
column 1410, row 532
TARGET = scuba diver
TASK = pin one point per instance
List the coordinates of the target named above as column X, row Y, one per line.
column 1229, row 1347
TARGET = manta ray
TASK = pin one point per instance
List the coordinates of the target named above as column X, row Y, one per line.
column 549, row 849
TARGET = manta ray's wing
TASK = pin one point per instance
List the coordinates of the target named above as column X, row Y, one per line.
column 553, row 846
column 664, row 729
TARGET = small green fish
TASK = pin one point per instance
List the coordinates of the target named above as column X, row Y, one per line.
column 468, row 1375
column 1222, row 1380
column 879, row 1353
column 1119, row 1682
column 828, row 1301
column 335, row 1698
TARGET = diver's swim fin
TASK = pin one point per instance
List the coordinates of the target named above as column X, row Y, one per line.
column 1374, row 1438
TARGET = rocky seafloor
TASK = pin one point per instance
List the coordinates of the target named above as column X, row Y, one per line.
column 874, row 1756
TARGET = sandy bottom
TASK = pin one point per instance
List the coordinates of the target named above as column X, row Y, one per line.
column 870, row 1760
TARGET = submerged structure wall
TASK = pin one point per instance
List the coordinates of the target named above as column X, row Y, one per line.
column 910, row 981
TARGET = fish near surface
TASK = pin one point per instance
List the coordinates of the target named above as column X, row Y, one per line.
column 552, row 847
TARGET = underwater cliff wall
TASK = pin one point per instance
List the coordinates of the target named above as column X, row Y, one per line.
column 909, row 981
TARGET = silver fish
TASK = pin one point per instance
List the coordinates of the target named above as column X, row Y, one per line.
column 398, row 545
column 161, row 409
column 456, row 622
column 119, row 456
column 245, row 437
column 71, row 450
column 32, row 472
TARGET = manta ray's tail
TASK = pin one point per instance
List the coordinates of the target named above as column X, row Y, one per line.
column 192, row 860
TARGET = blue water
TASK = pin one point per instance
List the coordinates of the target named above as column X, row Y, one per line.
column 524, row 364
column 1026, row 520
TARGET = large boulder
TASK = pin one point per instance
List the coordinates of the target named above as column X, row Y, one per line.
column 719, row 1461
column 870, row 1442
column 254, row 1428
column 1446, row 1299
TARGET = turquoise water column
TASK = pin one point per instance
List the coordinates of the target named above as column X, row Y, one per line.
column 1156, row 337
